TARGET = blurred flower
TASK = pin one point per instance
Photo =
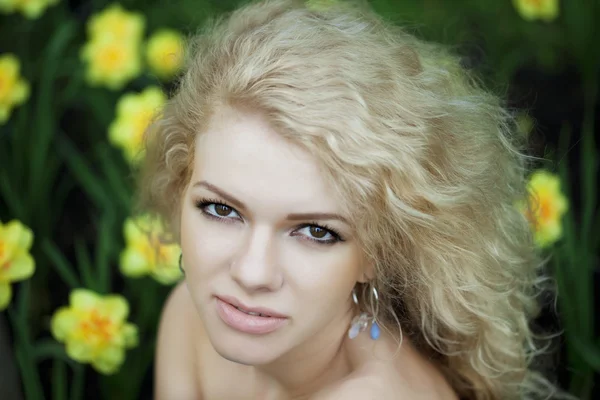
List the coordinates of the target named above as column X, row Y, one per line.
column 111, row 62
column 14, row 90
column 545, row 208
column 114, row 22
column 31, row 9
column 164, row 53
column 546, row 10
column 135, row 112
column 525, row 123
column 113, row 51
column 149, row 252
column 16, row 264
column 95, row 330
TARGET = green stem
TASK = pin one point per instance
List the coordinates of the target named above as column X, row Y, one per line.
column 78, row 382
column 24, row 353
column 59, row 380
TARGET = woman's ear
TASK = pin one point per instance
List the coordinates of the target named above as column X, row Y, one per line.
column 367, row 274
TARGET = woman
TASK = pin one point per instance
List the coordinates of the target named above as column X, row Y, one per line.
column 344, row 197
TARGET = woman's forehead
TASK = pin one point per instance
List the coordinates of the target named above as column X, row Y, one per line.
column 242, row 153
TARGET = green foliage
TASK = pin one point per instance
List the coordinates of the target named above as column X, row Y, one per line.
column 54, row 153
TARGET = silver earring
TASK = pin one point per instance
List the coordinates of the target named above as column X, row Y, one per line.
column 180, row 264
column 361, row 321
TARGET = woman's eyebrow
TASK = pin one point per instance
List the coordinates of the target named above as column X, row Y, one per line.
column 291, row 217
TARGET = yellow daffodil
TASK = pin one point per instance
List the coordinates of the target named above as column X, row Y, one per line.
column 545, row 10
column 16, row 264
column 547, row 204
column 135, row 112
column 149, row 252
column 14, row 90
column 31, row 9
column 114, row 22
column 95, row 330
column 113, row 51
column 111, row 62
column 164, row 53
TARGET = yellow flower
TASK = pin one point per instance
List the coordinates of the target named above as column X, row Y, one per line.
column 164, row 53
column 16, row 264
column 135, row 112
column 149, row 251
column 113, row 51
column 31, row 9
column 547, row 204
column 546, row 10
column 95, row 330
column 14, row 90
column 111, row 62
column 116, row 23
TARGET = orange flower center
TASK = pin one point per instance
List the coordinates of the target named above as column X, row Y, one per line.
column 97, row 327
column 111, row 57
column 542, row 210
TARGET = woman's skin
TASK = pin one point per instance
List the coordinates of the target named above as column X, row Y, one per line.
column 246, row 237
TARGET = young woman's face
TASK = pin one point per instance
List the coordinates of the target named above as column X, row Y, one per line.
column 261, row 231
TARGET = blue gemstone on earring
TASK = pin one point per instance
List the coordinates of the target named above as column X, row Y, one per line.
column 375, row 331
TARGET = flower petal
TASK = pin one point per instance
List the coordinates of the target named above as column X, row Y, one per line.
column 115, row 307
column 20, row 267
column 80, row 351
column 133, row 263
column 84, row 299
column 5, row 294
column 130, row 334
column 18, row 235
column 109, row 360
column 63, row 323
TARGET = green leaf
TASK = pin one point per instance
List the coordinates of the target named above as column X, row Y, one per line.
column 83, row 173
column 11, row 197
column 104, row 250
column 114, row 177
column 45, row 123
column 84, row 264
column 60, row 263
column 589, row 352
column 46, row 349
column 59, row 380
column 78, row 383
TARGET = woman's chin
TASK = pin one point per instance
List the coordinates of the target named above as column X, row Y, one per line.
column 246, row 351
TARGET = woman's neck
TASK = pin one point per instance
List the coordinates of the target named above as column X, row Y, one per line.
column 310, row 367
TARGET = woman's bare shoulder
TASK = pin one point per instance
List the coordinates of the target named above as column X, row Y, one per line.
column 175, row 362
column 384, row 384
column 392, row 371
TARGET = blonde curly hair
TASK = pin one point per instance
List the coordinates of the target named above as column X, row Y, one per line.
column 428, row 164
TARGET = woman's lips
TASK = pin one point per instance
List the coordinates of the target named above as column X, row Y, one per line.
column 247, row 323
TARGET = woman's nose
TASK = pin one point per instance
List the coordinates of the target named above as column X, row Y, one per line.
column 254, row 267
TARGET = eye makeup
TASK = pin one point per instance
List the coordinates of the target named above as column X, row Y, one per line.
column 205, row 204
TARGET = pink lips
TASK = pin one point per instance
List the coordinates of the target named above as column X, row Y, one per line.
column 242, row 321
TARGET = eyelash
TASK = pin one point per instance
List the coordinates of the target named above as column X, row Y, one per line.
column 201, row 204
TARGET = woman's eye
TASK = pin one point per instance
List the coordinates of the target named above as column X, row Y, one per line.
column 319, row 234
column 219, row 210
